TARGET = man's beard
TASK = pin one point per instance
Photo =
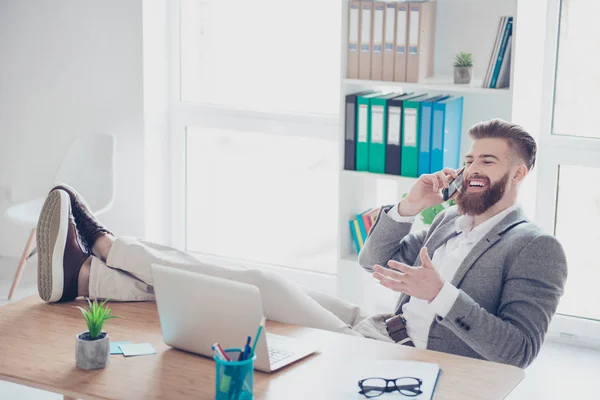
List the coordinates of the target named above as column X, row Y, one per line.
column 478, row 203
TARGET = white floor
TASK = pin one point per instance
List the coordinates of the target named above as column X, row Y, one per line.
column 560, row 371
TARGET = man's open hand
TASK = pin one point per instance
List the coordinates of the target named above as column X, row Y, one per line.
column 420, row 282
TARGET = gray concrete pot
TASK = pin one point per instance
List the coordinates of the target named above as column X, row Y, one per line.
column 92, row 354
column 462, row 75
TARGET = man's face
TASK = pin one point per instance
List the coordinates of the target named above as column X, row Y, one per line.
column 486, row 176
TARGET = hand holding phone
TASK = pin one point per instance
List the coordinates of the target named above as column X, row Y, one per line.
column 454, row 186
column 427, row 192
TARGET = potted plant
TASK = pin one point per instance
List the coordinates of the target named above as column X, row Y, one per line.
column 92, row 348
column 428, row 215
column 463, row 68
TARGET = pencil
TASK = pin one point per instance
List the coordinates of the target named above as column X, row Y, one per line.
column 260, row 328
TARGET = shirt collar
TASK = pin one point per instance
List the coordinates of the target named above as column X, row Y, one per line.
column 464, row 224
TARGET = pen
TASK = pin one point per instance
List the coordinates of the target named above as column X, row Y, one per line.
column 245, row 353
column 223, row 353
column 239, row 377
column 217, row 353
column 227, row 372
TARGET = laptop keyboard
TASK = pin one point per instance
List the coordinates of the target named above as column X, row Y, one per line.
column 278, row 355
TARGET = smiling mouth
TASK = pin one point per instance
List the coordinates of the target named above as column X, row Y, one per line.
column 476, row 185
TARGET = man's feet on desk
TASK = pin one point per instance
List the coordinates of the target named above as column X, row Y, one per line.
column 91, row 231
column 60, row 253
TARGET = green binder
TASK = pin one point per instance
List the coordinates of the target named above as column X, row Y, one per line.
column 378, row 129
column 411, row 129
column 363, row 133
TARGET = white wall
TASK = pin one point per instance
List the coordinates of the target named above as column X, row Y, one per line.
column 69, row 67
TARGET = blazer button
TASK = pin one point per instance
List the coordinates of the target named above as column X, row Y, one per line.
column 467, row 327
column 462, row 324
column 457, row 320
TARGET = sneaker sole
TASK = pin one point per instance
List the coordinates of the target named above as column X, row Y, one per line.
column 51, row 238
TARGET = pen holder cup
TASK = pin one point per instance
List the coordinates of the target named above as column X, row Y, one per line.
column 234, row 379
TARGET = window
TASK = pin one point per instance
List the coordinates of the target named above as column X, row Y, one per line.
column 577, row 216
column 569, row 164
column 578, row 70
column 262, row 55
column 261, row 197
column 255, row 114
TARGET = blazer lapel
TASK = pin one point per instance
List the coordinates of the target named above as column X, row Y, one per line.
column 494, row 235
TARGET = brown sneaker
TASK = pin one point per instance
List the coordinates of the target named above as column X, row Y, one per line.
column 90, row 229
column 60, row 254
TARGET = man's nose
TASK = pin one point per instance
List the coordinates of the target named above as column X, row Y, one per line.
column 472, row 170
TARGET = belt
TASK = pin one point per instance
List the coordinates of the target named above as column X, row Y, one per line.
column 396, row 328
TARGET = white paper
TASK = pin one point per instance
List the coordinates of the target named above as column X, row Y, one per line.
column 353, row 37
column 413, row 37
column 362, row 123
column 389, row 25
column 355, row 371
column 377, row 124
column 394, row 118
column 365, row 34
column 410, row 127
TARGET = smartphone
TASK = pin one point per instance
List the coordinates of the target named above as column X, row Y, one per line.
column 455, row 185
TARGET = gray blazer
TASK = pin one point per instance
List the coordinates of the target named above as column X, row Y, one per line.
column 510, row 284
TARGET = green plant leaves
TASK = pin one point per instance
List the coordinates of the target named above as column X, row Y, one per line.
column 463, row 59
column 429, row 214
column 95, row 316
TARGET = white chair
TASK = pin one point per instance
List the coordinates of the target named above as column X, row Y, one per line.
column 88, row 167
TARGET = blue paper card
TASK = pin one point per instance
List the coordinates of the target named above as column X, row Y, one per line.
column 138, row 349
column 115, row 349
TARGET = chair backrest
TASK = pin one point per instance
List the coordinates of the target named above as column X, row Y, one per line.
column 88, row 167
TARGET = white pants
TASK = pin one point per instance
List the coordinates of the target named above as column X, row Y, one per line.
column 126, row 276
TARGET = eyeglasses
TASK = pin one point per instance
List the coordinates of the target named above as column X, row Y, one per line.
column 375, row 387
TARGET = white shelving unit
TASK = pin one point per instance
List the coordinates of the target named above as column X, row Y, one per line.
column 442, row 84
column 462, row 25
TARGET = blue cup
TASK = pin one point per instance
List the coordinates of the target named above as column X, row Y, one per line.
column 234, row 379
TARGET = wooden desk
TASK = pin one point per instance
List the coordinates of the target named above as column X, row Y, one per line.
column 37, row 349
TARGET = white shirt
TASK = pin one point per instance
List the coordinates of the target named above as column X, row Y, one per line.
column 419, row 314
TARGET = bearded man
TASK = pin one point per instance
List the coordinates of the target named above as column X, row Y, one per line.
column 483, row 281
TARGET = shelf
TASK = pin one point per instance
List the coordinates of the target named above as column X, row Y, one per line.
column 371, row 175
column 434, row 84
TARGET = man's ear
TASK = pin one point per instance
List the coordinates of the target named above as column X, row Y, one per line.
column 520, row 173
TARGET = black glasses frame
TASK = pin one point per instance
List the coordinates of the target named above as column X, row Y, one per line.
column 414, row 389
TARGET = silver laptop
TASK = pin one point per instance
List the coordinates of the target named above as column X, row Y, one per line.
column 198, row 310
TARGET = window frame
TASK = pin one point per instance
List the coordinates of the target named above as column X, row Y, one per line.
column 554, row 150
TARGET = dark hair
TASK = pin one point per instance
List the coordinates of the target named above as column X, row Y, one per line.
column 518, row 139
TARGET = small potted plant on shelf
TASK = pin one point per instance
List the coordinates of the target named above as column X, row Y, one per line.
column 463, row 68
column 92, row 348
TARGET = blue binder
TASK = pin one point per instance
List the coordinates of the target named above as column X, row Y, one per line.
column 446, row 133
column 426, row 124
column 505, row 36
